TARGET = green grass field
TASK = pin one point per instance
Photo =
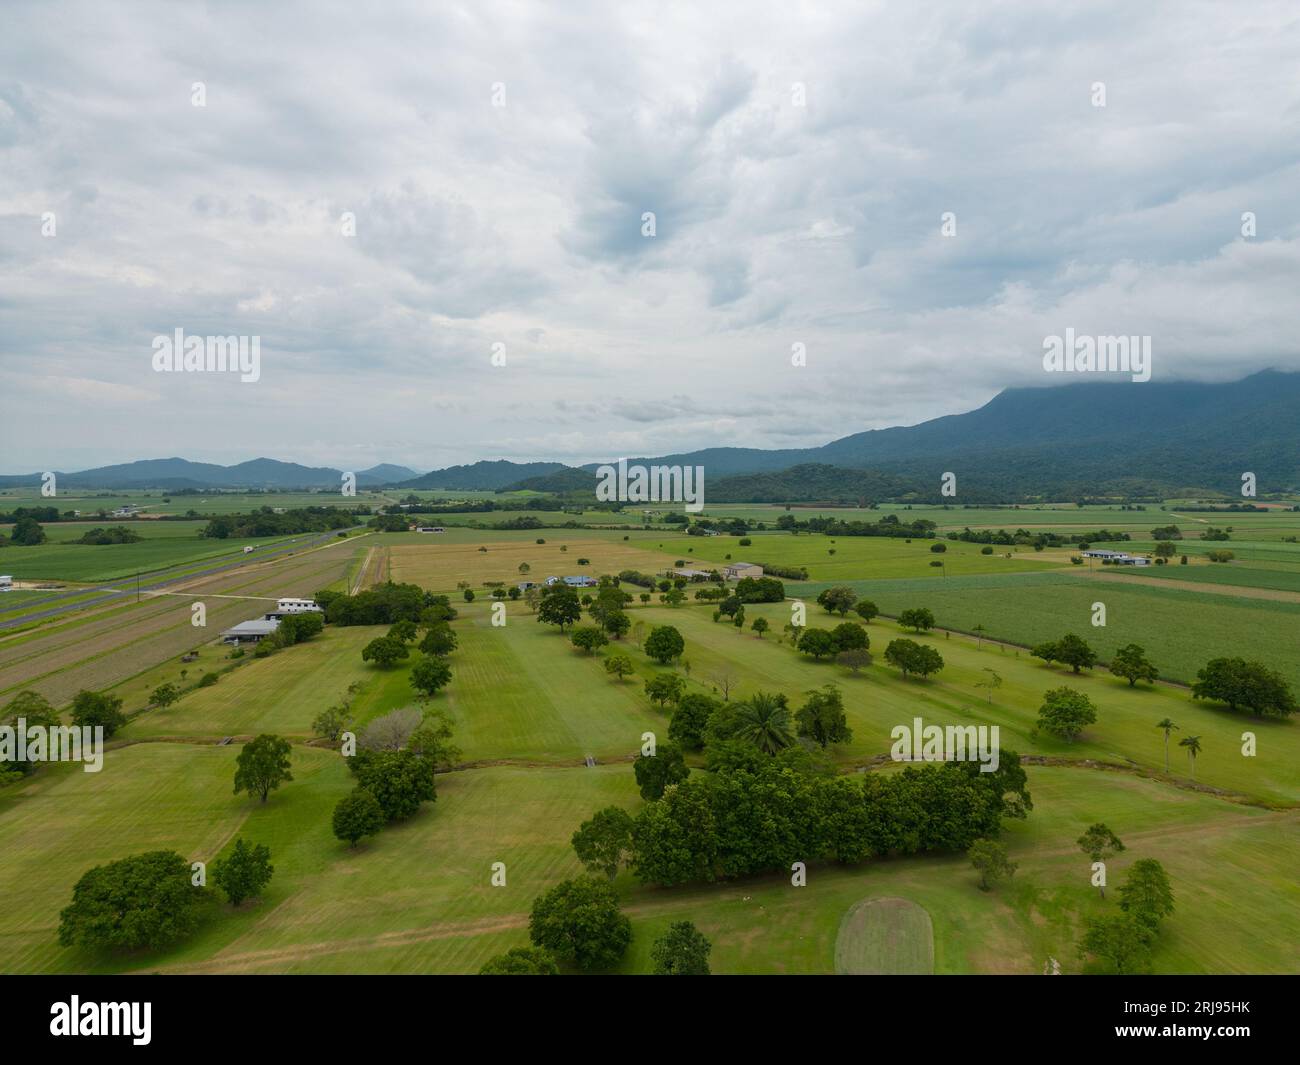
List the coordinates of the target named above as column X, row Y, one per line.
column 1180, row 629
column 527, row 708
column 62, row 561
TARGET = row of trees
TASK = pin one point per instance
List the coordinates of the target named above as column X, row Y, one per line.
column 756, row 813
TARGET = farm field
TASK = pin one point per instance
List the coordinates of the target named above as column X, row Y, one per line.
column 108, row 562
column 440, row 566
column 1180, row 629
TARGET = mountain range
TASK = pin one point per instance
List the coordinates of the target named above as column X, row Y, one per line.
column 1082, row 439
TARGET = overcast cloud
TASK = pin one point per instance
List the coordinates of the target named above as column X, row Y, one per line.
column 776, row 224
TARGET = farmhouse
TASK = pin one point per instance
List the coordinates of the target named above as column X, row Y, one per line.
column 250, row 631
column 429, row 529
column 292, row 606
column 691, row 574
column 581, row 582
column 6, row 583
column 1118, row 558
column 737, row 570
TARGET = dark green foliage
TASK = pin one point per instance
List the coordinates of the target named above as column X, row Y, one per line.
column 579, row 920
column 144, row 902
column 399, row 780
column 521, row 961
column 262, row 765
column 656, row 773
column 681, row 951
column 244, row 872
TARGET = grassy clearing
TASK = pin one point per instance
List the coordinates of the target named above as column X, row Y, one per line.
column 110, row 562
column 885, row 937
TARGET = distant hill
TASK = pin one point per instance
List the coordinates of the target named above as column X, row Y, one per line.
column 176, row 473
column 483, row 476
column 385, row 473
column 565, row 479
column 1083, row 438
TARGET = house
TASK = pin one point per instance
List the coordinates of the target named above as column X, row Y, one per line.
column 737, row 570
column 429, row 529
column 551, row 580
column 523, row 586
column 250, row 631
column 691, row 574
column 293, row 606
column 6, row 583
column 1118, row 558
column 581, row 582
column 249, row 548
column 127, row 511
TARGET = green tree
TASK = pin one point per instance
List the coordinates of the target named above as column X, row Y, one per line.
column 822, row 717
column 1167, row 726
column 760, row 626
column 400, row 781
column 27, row 533
column 164, row 695
column 33, row 709
column 918, row 618
column 763, row 720
column 604, row 842
column 656, row 773
column 837, row 600
column 690, row 720
column 1099, row 843
column 357, row 814
column 1146, row 892
column 1130, row 662
column 817, row 642
column 403, row 630
column 665, row 688
column 989, row 858
column 865, row 609
column 619, row 665
column 580, row 920
column 1121, row 943
column 681, row 951
column 1246, row 684
column 850, row 636
column 439, row 641
column 430, row 675
column 1075, row 653
column 144, row 902
column 385, row 651
column 617, row 624
column 98, row 709
column 588, row 638
column 262, row 765
column 244, row 872
column 559, row 606
column 664, row 644
column 521, row 961
column 1193, row 745
column 1066, row 713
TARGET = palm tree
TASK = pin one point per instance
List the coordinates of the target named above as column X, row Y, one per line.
column 1168, row 726
column 1193, row 745
column 764, row 720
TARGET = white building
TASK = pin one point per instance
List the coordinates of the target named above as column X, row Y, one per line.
column 737, row 570
column 6, row 583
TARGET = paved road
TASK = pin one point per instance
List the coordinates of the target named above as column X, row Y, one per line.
column 158, row 580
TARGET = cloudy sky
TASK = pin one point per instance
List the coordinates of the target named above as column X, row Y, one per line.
column 499, row 158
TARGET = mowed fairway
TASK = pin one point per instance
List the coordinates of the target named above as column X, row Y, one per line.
column 885, row 937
